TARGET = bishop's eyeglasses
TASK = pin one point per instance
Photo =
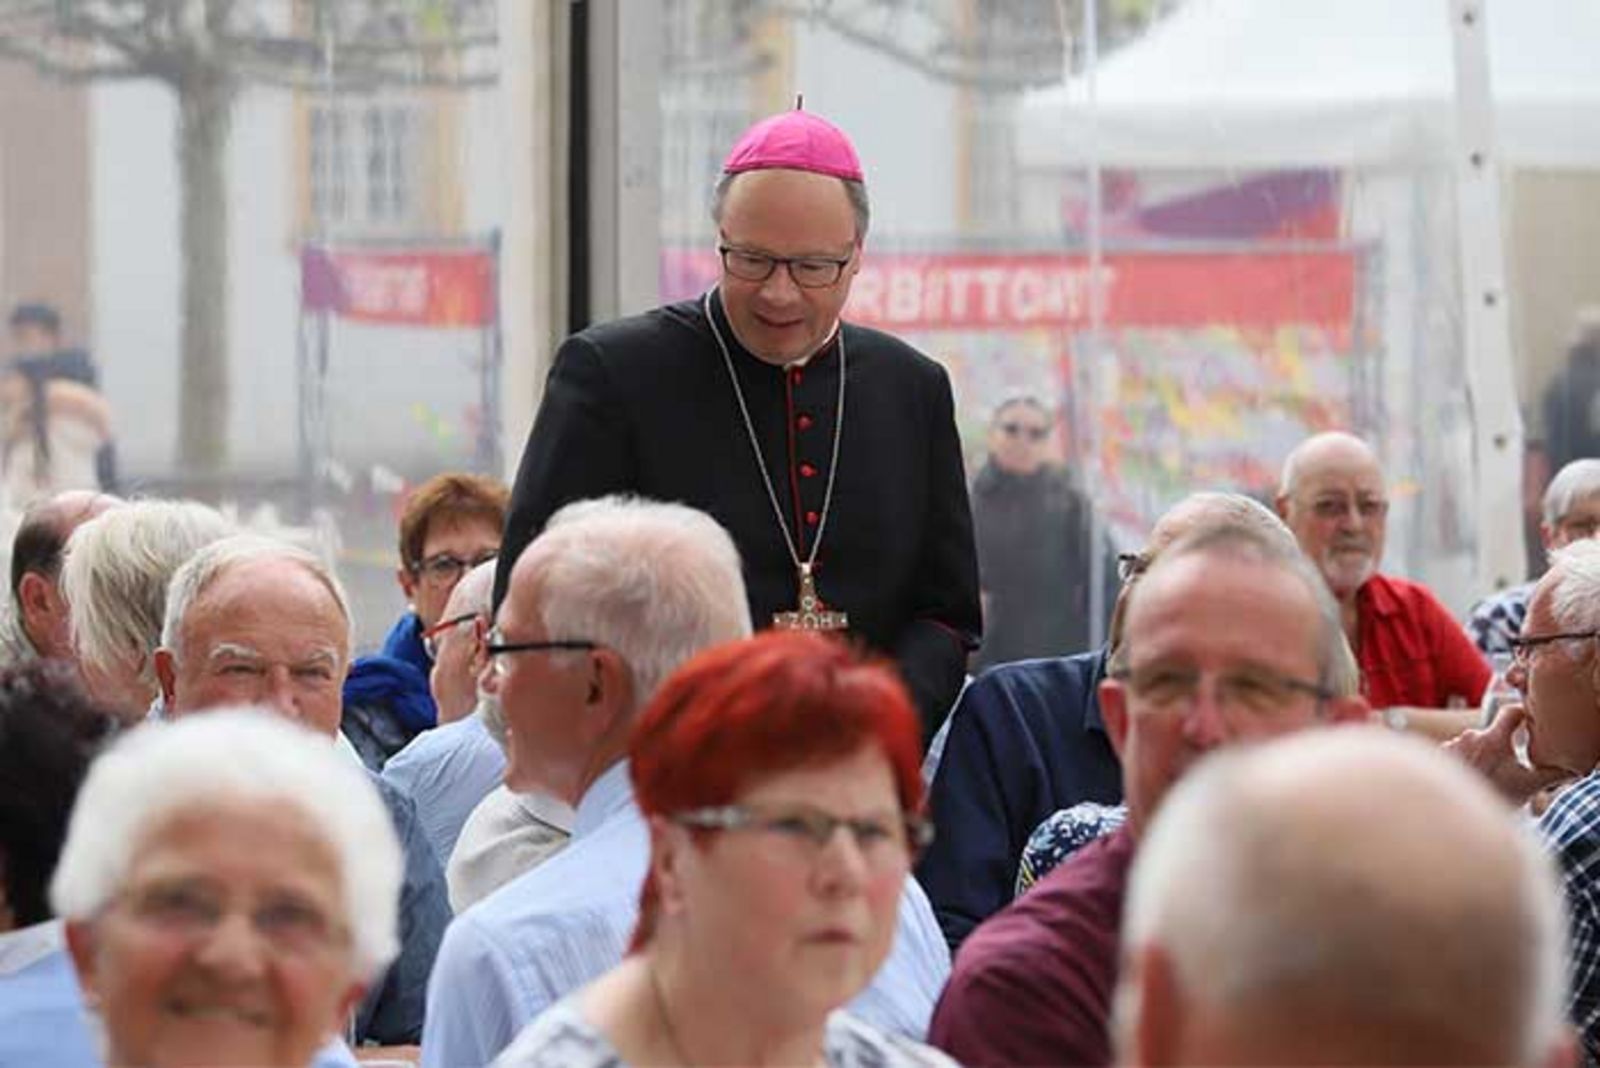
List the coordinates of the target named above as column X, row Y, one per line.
column 808, row 272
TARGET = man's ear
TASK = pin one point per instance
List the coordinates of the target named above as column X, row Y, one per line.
column 610, row 693
column 166, row 666
column 1280, row 504
column 35, row 595
column 81, row 946
column 1114, row 710
column 1157, row 1027
column 1547, row 536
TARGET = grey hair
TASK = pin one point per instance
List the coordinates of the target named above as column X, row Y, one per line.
column 116, row 572
column 1246, row 535
column 860, row 206
column 163, row 769
column 1275, row 877
column 1575, row 575
column 1577, row 481
column 207, row 565
column 655, row 582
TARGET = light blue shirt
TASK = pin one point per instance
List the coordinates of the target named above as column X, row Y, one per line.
column 447, row 771
column 43, row 1020
column 568, row 921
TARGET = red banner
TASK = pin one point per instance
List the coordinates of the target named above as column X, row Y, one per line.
column 1260, row 288
column 403, row 288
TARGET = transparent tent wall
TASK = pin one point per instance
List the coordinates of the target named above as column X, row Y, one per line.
column 1248, row 304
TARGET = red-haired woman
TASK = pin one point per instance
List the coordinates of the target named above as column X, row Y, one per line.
column 780, row 776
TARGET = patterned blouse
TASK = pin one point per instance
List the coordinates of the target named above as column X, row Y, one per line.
column 1062, row 834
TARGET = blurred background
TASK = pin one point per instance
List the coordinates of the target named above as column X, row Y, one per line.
column 318, row 250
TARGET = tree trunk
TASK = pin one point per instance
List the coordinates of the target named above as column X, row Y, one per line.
column 205, row 108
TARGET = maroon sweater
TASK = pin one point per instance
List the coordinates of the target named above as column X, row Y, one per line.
column 1033, row 984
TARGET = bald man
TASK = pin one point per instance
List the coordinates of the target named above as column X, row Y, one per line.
column 36, row 625
column 1413, row 654
column 1340, row 897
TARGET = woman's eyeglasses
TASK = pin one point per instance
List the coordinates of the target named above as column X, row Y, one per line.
column 810, row 829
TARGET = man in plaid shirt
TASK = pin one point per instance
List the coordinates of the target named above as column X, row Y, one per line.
column 1571, row 511
column 1557, row 668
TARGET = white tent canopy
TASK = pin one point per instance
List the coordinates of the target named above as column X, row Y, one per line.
column 1275, row 83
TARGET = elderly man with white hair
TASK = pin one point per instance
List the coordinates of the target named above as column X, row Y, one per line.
column 1557, row 669
column 115, row 578
column 447, row 770
column 603, row 606
column 1340, row 897
column 1571, row 512
column 255, row 621
column 229, row 888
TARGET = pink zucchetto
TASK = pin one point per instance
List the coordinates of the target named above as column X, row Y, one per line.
column 796, row 141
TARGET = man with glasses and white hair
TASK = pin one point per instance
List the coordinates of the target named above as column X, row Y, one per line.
column 255, row 621
column 1340, row 897
column 1228, row 638
column 1571, row 513
column 1552, row 736
column 827, row 450
column 1415, row 659
column 612, row 598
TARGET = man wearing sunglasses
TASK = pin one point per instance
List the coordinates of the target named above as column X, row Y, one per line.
column 1554, row 735
column 1416, row 661
column 827, row 450
column 1034, row 532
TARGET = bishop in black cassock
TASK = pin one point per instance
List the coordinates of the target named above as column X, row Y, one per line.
column 646, row 405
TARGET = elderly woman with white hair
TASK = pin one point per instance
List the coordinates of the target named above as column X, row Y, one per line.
column 115, row 580
column 240, row 930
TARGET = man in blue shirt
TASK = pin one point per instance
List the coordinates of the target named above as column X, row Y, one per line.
column 601, row 609
column 449, row 769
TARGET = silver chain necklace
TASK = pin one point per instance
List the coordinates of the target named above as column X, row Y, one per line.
column 811, row 615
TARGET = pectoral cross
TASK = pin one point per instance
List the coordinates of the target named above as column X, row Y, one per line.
column 812, row 614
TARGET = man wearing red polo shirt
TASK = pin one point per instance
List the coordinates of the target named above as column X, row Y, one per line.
column 1412, row 652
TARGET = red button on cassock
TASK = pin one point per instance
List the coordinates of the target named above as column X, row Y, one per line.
column 796, row 375
column 807, row 471
column 811, row 519
column 804, row 422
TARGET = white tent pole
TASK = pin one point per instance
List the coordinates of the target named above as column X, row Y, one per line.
column 1486, row 327
column 1100, row 385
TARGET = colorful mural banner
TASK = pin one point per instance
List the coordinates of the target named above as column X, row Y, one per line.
column 403, row 287
column 1260, row 288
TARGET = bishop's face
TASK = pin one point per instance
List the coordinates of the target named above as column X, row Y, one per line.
column 787, row 214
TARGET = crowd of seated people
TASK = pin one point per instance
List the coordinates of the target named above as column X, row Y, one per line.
column 635, row 831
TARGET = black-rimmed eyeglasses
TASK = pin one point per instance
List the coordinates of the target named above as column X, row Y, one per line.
column 496, row 647
column 808, row 272
column 1522, row 647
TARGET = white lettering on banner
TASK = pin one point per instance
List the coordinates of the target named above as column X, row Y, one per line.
column 911, row 294
column 384, row 289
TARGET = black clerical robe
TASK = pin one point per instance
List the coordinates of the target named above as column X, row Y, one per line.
column 644, row 405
